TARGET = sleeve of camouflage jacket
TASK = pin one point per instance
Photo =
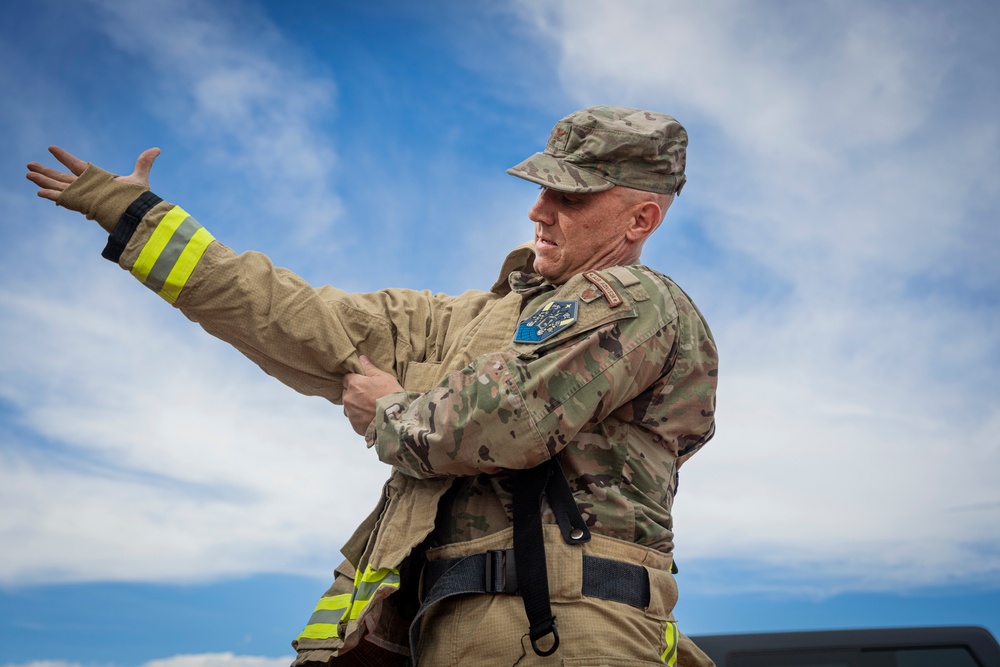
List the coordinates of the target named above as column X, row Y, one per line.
column 516, row 408
column 306, row 337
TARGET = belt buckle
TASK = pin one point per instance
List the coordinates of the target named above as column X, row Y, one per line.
column 500, row 571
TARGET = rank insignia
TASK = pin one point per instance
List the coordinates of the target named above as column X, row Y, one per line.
column 547, row 322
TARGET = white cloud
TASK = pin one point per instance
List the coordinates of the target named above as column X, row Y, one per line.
column 855, row 444
column 157, row 452
column 829, row 113
column 231, row 81
column 171, row 457
column 858, row 404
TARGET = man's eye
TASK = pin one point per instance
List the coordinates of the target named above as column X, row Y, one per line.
column 570, row 201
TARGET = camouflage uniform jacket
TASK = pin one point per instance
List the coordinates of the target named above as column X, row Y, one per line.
column 624, row 392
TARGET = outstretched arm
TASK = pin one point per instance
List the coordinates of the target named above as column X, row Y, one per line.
column 51, row 182
column 307, row 338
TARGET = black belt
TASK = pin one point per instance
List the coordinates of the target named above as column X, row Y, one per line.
column 496, row 572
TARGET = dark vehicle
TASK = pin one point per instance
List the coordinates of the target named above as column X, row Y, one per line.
column 965, row 646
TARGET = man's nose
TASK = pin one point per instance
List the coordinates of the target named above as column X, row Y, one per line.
column 540, row 210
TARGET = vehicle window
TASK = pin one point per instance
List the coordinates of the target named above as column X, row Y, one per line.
column 910, row 657
column 816, row 658
column 955, row 656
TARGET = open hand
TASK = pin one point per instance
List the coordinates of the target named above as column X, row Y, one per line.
column 361, row 392
column 51, row 182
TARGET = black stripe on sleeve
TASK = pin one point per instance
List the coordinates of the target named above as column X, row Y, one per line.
column 127, row 225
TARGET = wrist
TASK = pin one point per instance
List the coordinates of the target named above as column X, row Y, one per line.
column 387, row 409
column 100, row 197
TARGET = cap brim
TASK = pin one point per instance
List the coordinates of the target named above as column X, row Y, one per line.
column 556, row 174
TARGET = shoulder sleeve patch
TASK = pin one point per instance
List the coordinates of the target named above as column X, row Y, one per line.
column 556, row 316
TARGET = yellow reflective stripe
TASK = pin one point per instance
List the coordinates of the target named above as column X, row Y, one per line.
column 365, row 585
column 669, row 656
column 319, row 631
column 184, row 267
column 371, row 576
column 331, row 608
column 157, row 242
column 357, row 607
column 173, row 250
column 334, row 602
column 347, row 606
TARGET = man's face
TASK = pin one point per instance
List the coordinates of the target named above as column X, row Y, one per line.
column 575, row 233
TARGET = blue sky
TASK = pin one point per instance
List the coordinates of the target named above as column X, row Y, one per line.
column 164, row 503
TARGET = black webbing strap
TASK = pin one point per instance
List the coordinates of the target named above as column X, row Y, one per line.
column 571, row 524
column 456, row 580
column 127, row 224
column 496, row 573
column 529, row 554
column 520, row 570
column 529, row 542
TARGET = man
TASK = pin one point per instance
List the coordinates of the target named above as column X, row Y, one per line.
column 534, row 430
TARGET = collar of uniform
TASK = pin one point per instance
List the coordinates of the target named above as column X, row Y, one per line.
column 523, row 281
column 521, row 258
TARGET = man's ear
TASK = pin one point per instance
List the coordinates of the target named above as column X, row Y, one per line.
column 645, row 220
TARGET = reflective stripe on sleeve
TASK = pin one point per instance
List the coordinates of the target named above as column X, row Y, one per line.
column 323, row 622
column 172, row 252
column 669, row 657
column 365, row 585
column 330, row 611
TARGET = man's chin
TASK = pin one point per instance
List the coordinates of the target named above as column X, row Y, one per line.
column 551, row 275
column 542, row 268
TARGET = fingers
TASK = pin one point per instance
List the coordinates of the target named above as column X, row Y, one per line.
column 362, row 392
column 370, row 369
column 73, row 163
column 358, row 406
column 50, row 182
column 51, row 195
column 50, row 173
column 43, row 181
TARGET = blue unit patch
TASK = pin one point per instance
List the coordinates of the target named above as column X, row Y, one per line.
column 547, row 322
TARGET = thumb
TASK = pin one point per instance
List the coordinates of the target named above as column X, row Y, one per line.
column 369, row 368
column 144, row 164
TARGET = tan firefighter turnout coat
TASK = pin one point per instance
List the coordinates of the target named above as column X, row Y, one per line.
column 613, row 371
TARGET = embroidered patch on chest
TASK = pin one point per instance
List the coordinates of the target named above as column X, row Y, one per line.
column 556, row 316
column 610, row 293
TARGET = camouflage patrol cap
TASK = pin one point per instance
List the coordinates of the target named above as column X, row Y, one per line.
column 601, row 147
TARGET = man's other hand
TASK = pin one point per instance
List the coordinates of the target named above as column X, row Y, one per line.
column 361, row 392
column 51, row 183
